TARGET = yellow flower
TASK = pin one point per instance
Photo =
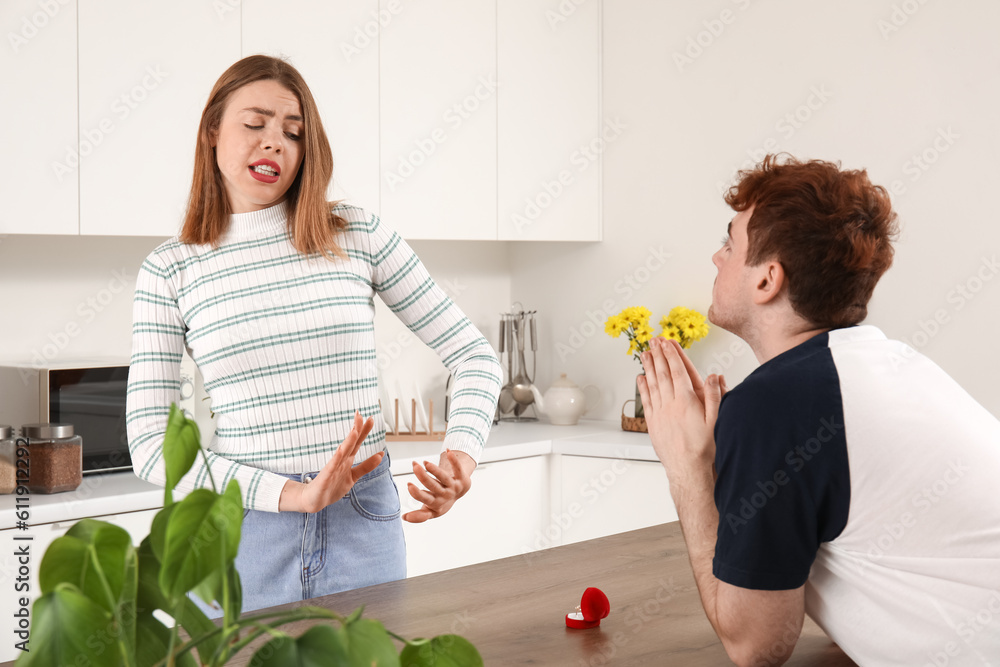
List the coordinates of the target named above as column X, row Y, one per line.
column 637, row 315
column 615, row 325
column 644, row 333
column 672, row 334
column 632, row 347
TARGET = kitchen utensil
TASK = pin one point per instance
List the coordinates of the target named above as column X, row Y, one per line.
column 522, row 385
column 404, row 417
column 506, row 402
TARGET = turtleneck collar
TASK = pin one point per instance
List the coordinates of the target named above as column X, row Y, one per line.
column 257, row 223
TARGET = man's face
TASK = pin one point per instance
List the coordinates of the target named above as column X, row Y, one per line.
column 731, row 300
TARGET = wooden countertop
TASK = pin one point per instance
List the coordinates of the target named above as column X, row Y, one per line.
column 513, row 609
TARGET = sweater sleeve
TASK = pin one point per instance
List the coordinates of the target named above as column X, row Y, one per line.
column 158, row 331
column 407, row 289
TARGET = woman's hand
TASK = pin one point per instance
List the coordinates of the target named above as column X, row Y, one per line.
column 445, row 483
column 337, row 476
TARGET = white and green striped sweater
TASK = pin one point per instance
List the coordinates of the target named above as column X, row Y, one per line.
column 286, row 345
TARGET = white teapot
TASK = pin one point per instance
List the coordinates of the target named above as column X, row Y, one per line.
column 564, row 402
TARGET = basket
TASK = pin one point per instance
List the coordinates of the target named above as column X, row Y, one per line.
column 637, row 424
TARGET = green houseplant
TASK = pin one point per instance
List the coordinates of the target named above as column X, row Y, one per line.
column 99, row 593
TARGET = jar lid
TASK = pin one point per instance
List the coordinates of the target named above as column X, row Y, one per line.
column 47, row 430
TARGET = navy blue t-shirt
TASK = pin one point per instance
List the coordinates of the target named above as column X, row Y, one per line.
column 783, row 484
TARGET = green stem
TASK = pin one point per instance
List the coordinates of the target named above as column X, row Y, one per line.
column 301, row 614
column 208, row 468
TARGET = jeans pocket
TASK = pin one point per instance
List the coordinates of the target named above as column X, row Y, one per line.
column 376, row 499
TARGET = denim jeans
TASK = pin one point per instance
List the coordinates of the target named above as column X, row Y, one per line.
column 291, row 556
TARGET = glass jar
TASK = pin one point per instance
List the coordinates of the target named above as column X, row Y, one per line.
column 55, row 457
column 8, row 461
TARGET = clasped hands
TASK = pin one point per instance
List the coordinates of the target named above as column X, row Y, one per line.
column 445, row 483
column 680, row 408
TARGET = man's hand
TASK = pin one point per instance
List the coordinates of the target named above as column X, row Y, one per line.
column 680, row 408
column 445, row 483
column 337, row 476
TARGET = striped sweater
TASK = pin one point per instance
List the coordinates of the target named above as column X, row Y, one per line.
column 286, row 345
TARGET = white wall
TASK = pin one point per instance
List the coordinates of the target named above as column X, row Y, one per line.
column 879, row 100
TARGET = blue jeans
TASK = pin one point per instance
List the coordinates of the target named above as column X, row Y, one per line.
column 291, row 556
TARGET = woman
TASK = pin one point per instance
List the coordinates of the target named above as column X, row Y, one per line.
column 270, row 288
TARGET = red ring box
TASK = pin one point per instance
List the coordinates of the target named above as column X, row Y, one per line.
column 594, row 606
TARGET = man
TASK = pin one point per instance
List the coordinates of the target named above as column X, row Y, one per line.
column 853, row 479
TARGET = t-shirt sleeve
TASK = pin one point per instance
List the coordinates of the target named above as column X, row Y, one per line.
column 782, row 486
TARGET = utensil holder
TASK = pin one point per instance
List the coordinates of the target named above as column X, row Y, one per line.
column 413, row 434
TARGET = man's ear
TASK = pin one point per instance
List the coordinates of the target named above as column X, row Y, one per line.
column 770, row 282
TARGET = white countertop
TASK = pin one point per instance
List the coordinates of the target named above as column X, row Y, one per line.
column 121, row 492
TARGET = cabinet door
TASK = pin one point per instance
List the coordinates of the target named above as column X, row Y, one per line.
column 146, row 70
column 334, row 45
column 501, row 515
column 438, row 93
column 600, row 497
column 136, row 523
column 550, row 136
column 39, row 114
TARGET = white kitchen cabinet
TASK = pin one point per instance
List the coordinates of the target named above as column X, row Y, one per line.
column 146, row 70
column 605, row 496
column 438, row 106
column 39, row 114
column 136, row 523
column 502, row 515
column 549, row 130
column 336, row 49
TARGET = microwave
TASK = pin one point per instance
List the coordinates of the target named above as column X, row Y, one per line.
column 90, row 395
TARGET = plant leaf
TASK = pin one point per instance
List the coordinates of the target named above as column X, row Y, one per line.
column 441, row 651
column 153, row 639
column 210, row 589
column 181, row 443
column 158, row 531
column 68, row 628
column 319, row 646
column 188, row 615
column 90, row 554
column 369, row 644
column 203, row 534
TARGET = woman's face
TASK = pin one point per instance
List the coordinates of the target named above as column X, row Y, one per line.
column 258, row 145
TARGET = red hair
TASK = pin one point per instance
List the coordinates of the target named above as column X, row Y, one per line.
column 831, row 231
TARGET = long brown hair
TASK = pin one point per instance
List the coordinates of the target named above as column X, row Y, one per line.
column 831, row 230
column 312, row 226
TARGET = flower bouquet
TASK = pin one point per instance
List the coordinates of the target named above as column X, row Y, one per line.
column 682, row 324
